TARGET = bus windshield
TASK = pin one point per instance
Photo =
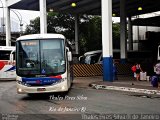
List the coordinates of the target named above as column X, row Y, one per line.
column 40, row 57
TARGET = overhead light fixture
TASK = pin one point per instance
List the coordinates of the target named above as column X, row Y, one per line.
column 114, row 15
column 139, row 8
column 51, row 10
column 73, row 4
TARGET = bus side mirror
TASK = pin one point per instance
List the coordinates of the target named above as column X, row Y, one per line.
column 69, row 54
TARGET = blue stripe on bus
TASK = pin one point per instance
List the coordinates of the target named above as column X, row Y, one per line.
column 45, row 80
column 11, row 69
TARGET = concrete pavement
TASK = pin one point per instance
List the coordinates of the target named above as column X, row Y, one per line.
column 124, row 83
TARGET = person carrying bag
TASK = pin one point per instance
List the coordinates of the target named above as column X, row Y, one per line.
column 133, row 68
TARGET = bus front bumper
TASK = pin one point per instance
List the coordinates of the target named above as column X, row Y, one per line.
column 60, row 87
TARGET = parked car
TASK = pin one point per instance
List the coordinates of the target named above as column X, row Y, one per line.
column 94, row 57
column 91, row 57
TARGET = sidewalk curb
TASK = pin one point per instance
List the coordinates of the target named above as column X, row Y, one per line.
column 127, row 89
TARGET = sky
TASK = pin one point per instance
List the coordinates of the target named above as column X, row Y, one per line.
column 27, row 15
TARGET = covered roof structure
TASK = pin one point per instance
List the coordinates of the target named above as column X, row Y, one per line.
column 88, row 6
column 151, row 21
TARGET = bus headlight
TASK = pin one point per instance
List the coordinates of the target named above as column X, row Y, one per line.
column 23, row 83
column 63, row 87
column 59, row 81
column 19, row 90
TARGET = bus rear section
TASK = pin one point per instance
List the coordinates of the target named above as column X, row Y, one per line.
column 43, row 64
column 7, row 66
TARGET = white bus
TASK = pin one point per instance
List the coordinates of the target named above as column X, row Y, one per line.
column 43, row 64
column 7, row 63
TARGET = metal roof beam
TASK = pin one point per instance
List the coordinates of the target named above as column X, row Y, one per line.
column 11, row 2
column 58, row 3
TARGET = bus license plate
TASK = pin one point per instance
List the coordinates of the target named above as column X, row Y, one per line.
column 41, row 89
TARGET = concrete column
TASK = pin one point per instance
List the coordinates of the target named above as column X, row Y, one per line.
column 8, row 25
column 130, row 39
column 76, row 34
column 2, row 20
column 43, row 16
column 123, row 45
column 106, row 6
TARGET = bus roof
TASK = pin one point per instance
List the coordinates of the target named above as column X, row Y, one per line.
column 7, row 48
column 40, row 36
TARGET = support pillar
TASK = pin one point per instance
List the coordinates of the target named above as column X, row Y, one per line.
column 43, row 16
column 123, row 42
column 8, row 25
column 107, row 40
column 76, row 52
column 130, row 39
column 76, row 34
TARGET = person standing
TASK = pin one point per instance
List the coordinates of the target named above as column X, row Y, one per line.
column 157, row 71
column 138, row 70
column 133, row 68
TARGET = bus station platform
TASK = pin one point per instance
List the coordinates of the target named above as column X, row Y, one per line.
column 124, row 83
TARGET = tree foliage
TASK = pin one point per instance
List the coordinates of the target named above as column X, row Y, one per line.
column 116, row 35
column 33, row 27
column 90, row 31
